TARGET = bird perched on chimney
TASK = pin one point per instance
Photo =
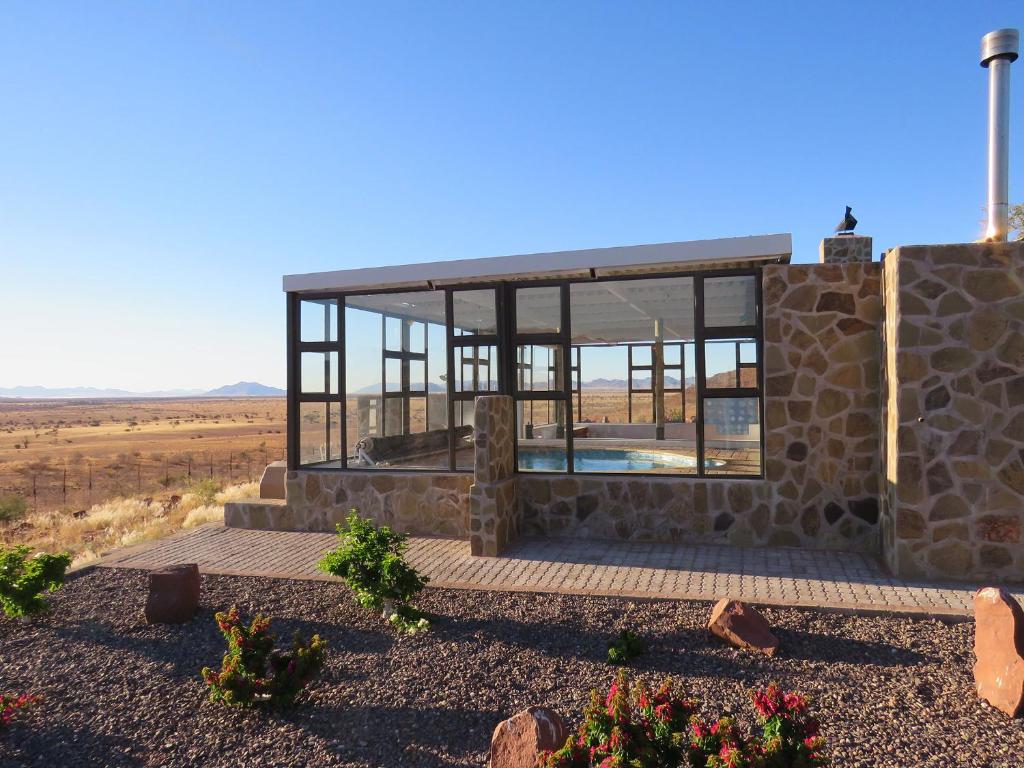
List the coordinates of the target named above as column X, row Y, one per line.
column 845, row 227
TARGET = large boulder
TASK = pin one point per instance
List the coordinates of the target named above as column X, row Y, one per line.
column 517, row 741
column 999, row 649
column 173, row 594
column 740, row 624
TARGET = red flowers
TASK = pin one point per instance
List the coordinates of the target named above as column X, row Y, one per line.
column 252, row 671
column 633, row 727
column 10, row 705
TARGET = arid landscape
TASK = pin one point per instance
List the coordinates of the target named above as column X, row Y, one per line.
column 71, row 454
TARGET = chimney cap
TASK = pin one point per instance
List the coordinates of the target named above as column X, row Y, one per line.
column 1000, row 44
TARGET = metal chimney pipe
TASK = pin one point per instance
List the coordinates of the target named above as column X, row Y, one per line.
column 999, row 49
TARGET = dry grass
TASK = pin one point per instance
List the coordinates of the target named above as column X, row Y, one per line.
column 73, row 454
column 120, row 522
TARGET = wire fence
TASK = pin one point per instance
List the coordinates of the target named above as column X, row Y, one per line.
column 77, row 484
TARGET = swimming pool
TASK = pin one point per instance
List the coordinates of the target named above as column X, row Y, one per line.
column 606, row 460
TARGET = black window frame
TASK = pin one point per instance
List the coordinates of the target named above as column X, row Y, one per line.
column 506, row 343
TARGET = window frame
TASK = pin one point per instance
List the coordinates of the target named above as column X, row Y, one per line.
column 506, row 343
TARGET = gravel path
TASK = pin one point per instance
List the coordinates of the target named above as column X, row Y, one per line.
column 891, row 692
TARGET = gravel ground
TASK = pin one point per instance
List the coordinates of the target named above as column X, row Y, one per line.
column 891, row 692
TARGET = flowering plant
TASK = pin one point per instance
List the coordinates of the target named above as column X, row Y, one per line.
column 789, row 735
column 11, row 705
column 371, row 561
column 252, row 671
column 631, row 727
column 24, row 579
column 635, row 728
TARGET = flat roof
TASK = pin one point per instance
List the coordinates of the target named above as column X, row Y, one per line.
column 690, row 255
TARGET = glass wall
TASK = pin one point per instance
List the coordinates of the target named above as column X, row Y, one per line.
column 635, row 340
column 541, row 352
column 318, row 383
column 474, row 363
column 396, row 372
column 617, row 375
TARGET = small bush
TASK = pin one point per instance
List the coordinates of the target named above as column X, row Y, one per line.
column 370, row 560
column 24, row 579
column 11, row 705
column 626, row 647
column 205, row 491
column 635, row 728
column 12, row 506
column 253, row 672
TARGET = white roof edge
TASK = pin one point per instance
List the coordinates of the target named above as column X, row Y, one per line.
column 754, row 248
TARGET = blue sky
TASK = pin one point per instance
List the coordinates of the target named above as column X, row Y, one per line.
column 164, row 164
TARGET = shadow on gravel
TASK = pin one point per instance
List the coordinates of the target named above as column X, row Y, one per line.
column 61, row 745
column 683, row 651
column 814, row 646
column 186, row 648
column 354, row 733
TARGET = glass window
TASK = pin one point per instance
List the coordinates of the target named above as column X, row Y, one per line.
column 539, row 310
column 730, row 363
column 540, row 434
column 475, row 312
column 320, row 434
column 396, row 372
column 539, row 367
column 621, row 329
column 319, row 373
column 732, row 436
column 318, row 320
column 730, row 301
column 465, row 411
column 476, row 369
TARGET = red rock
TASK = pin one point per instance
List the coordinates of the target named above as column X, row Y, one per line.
column 999, row 649
column 740, row 624
column 517, row 741
column 173, row 594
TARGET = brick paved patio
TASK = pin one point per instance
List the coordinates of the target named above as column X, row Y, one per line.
column 835, row 580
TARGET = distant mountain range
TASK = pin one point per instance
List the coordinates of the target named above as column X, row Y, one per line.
column 241, row 389
column 670, row 381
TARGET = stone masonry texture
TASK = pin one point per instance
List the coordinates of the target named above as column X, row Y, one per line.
column 419, row 503
column 844, row 249
column 493, row 504
column 954, row 411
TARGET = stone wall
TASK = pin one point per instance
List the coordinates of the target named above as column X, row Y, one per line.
column 954, row 416
column 494, row 518
column 845, row 249
column 676, row 509
column 822, row 410
column 418, row 503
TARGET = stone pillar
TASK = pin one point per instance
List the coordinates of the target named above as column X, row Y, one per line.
column 953, row 503
column 493, row 501
column 845, row 249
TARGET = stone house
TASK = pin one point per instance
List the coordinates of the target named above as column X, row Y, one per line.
column 703, row 391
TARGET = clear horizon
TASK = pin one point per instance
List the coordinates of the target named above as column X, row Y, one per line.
column 165, row 165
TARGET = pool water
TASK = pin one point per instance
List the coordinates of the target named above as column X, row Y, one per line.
column 605, row 460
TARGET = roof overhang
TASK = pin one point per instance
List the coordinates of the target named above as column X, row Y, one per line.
column 686, row 256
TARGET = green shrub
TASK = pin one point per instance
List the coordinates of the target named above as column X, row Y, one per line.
column 12, row 506
column 206, row 491
column 626, row 647
column 370, row 560
column 253, row 672
column 24, row 579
